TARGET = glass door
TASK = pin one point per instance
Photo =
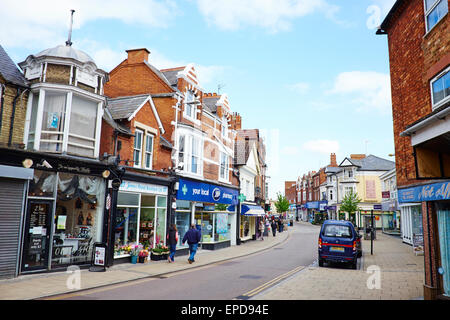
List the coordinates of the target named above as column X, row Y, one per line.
column 443, row 216
column 37, row 235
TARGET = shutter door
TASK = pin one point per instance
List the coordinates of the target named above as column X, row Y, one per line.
column 11, row 202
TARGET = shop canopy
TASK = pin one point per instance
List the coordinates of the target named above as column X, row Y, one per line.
column 249, row 210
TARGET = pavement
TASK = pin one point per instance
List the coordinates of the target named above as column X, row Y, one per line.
column 392, row 272
column 400, row 274
column 46, row 285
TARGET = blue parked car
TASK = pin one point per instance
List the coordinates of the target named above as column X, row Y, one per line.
column 339, row 242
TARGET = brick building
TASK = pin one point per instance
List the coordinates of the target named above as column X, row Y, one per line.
column 418, row 34
column 193, row 135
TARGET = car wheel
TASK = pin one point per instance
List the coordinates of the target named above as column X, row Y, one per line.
column 360, row 254
column 320, row 262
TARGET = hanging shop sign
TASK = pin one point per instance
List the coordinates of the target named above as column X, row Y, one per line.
column 205, row 192
column 429, row 192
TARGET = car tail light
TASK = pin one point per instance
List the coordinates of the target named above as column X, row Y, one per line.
column 354, row 245
column 320, row 243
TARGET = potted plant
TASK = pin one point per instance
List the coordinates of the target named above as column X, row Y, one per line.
column 143, row 255
column 160, row 252
column 134, row 252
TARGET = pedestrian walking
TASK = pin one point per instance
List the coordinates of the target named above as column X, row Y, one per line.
column 172, row 240
column 274, row 228
column 261, row 230
column 193, row 238
column 266, row 231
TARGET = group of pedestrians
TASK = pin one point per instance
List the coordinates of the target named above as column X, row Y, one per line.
column 193, row 236
column 274, row 224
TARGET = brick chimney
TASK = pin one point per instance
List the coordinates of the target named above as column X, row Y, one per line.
column 357, row 156
column 137, row 55
column 236, row 121
column 333, row 162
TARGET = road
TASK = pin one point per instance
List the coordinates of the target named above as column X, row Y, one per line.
column 240, row 278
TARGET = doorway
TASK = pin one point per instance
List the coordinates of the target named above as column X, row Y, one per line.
column 37, row 235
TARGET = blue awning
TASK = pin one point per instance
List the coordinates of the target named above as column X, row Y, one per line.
column 249, row 210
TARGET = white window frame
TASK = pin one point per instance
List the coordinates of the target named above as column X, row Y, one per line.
column 224, row 127
column 427, row 13
column 189, row 94
column 434, row 104
column 189, row 139
column 139, row 165
column 41, row 96
column 148, row 153
column 226, row 166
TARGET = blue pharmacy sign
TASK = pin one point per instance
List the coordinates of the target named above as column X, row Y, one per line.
column 429, row 192
column 205, row 192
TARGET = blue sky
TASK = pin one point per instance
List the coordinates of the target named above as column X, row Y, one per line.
column 310, row 74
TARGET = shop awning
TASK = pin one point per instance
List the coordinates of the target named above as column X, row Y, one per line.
column 249, row 210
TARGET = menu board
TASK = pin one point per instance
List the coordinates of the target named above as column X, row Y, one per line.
column 418, row 244
column 39, row 214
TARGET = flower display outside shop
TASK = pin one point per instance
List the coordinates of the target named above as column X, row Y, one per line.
column 160, row 249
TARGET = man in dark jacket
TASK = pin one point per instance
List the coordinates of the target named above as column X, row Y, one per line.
column 193, row 238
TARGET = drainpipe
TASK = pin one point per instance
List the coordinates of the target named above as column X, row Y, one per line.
column 13, row 114
column 2, row 93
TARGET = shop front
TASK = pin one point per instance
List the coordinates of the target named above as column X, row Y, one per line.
column 141, row 217
column 251, row 215
column 434, row 201
column 205, row 205
column 64, row 218
column 331, row 210
column 391, row 217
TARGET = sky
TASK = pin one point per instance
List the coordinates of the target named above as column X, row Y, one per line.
column 310, row 74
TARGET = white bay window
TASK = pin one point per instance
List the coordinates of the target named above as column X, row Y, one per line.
column 60, row 121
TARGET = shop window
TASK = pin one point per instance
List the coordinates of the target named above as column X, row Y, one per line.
column 78, row 218
column 43, row 184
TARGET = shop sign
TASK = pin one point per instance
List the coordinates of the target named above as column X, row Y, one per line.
column 205, row 192
column 430, row 192
column 385, row 194
column 377, row 207
column 312, row 205
column 140, row 187
column 323, row 205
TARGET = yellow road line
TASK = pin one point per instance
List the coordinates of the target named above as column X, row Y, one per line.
column 273, row 281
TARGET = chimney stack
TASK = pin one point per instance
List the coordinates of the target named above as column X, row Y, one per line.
column 137, row 55
column 333, row 162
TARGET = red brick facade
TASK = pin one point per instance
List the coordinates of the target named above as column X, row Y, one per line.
column 416, row 57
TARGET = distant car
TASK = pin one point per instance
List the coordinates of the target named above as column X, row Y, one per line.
column 339, row 242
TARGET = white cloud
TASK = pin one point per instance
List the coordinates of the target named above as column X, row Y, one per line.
column 300, row 87
column 44, row 23
column 274, row 15
column 290, row 151
column 367, row 90
column 322, row 146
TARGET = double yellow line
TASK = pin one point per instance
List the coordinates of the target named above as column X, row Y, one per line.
column 272, row 282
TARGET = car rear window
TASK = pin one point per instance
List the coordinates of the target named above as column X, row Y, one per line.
column 339, row 231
